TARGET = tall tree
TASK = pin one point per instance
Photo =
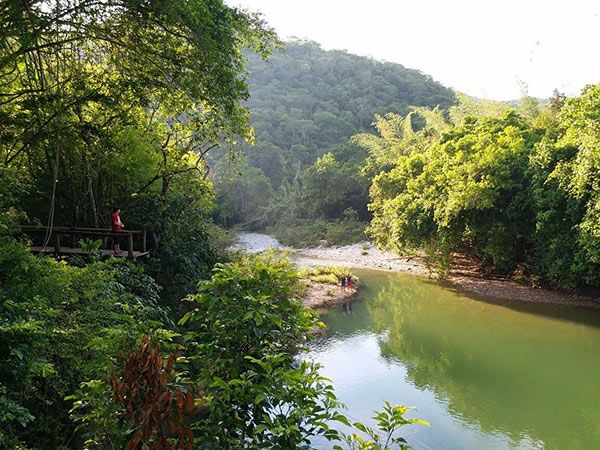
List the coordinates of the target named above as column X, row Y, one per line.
column 78, row 75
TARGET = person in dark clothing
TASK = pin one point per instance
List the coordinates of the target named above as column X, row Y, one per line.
column 343, row 282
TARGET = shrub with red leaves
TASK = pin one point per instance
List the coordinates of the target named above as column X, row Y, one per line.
column 157, row 409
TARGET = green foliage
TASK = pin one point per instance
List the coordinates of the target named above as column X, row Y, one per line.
column 305, row 103
column 332, row 185
column 242, row 195
column 220, row 239
column 91, row 247
column 398, row 136
column 464, row 191
column 389, row 422
column 326, row 202
column 472, row 107
column 12, row 185
column 97, row 415
column 326, row 274
column 63, row 325
column 508, row 191
column 565, row 171
column 237, row 382
column 241, row 334
column 178, row 223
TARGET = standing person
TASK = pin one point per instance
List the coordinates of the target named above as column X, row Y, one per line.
column 343, row 282
column 349, row 280
column 117, row 227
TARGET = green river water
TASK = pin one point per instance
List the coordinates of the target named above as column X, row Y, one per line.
column 485, row 375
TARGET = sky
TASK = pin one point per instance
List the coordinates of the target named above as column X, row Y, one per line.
column 486, row 48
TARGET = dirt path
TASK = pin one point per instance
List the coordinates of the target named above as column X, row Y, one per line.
column 464, row 278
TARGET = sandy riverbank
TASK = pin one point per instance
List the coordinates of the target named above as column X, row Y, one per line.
column 323, row 295
column 359, row 256
column 465, row 278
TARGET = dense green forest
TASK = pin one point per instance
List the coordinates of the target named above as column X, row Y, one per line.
column 520, row 193
column 344, row 143
column 306, row 102
column 150, row 106
column 115, row 103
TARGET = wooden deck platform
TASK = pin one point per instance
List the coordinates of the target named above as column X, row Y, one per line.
column 67, row 240
column 77, row 251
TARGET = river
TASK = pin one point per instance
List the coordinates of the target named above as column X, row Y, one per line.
column 486, row 375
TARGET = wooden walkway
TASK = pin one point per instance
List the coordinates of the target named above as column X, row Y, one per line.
column 66, row 241
column 78, row 251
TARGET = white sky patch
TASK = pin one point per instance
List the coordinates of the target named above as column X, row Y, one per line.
column 483, row 48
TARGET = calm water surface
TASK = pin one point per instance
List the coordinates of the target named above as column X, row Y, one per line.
column 485, row 375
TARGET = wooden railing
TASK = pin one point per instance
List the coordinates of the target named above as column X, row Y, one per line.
column 56, row 245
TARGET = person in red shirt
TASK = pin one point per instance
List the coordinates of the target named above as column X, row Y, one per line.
column 117, row 227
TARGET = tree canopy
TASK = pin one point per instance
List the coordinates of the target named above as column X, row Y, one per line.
column 307, row 102
column 515, row 192
column 117, row 103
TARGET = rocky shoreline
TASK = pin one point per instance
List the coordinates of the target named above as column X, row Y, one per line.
column 465, row 277
column 358, row 256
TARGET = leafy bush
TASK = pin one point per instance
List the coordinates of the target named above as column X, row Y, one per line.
column 326, row 274
column 63, row 325
column 242, row 332
column 389, row 422
column 220, row 239
column 179, row 235
column 520, row 193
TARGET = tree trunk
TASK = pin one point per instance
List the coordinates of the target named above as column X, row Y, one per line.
column 92, row 197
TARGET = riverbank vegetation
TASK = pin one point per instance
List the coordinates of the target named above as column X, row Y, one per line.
column 323, row 287
column 326, row 274
column 521, row 194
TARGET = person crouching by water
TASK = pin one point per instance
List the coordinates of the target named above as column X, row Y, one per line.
column 343, row 282
column 117, row 227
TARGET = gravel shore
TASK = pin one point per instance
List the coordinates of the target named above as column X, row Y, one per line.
column 466, row 279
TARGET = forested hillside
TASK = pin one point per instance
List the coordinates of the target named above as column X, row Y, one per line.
column 304, row 103
column 113, row 109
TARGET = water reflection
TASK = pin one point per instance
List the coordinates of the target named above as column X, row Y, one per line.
column 347, row 308
column 489, row 376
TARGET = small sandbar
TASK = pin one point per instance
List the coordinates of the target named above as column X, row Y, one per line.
column 324, row 295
